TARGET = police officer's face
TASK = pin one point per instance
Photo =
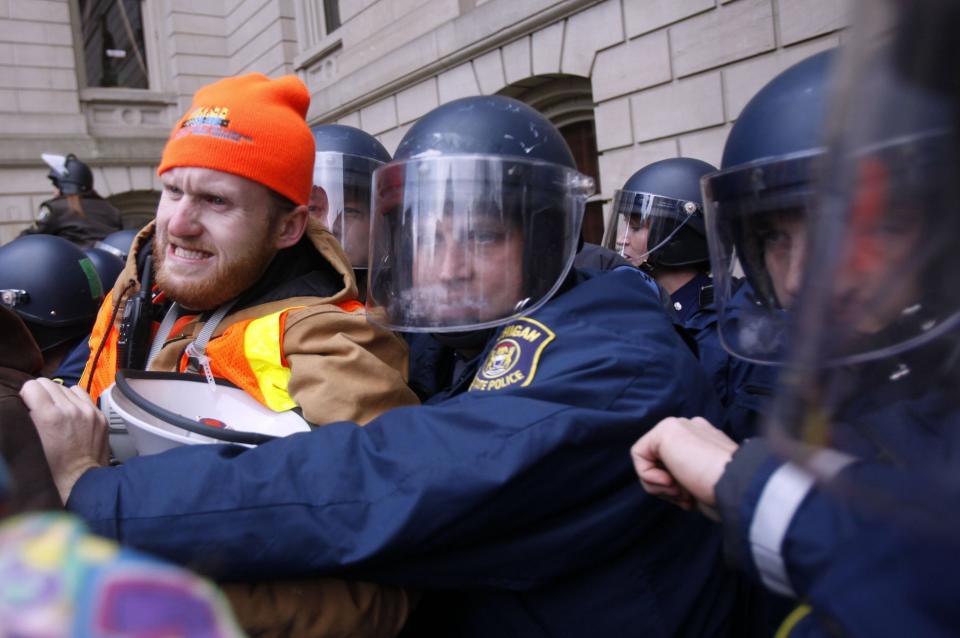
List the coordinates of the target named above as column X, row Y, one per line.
column 632, row 240
column 784, row 252
column 474, row 271
column 356, row 231
column 215, row 235
column 349, row 223
column 352, row 227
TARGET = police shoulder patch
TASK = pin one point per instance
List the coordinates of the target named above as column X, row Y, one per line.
column 513, row 360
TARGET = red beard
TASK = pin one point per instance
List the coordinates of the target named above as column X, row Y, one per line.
column 234, row 274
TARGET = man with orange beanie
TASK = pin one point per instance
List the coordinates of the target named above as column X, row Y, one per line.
column 233, row 254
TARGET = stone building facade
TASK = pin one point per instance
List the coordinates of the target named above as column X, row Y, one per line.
column 628, row 81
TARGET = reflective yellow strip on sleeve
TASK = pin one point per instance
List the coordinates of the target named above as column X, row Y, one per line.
column 262, row 346
column 791, row 621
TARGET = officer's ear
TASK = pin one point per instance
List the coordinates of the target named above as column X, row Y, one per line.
column 289, row 227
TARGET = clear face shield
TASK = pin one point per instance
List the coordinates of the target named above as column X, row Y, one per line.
column 874, row 369
column 757, row 217
column 646, row 222
column 462, row 243
column 340, row 200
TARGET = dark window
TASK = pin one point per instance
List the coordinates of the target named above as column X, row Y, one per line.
column 331, row 14
column 113, row 43
column 582, row 139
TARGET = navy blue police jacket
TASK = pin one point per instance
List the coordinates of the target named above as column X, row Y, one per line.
column 743, row 388
column 870, row 547
column 514, row 495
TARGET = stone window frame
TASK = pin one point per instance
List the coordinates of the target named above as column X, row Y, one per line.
column 315, row 41
column 154, row 51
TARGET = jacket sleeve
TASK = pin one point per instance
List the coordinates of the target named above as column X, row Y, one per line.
column 344, row 368
column 856, row 566
column 505, row 488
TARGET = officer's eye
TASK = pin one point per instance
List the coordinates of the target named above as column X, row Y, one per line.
column 487, row 237
column 216, row 201
column 776, row 240
column 172, row 190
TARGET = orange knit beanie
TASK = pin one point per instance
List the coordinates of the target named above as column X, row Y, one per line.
column 249, row 126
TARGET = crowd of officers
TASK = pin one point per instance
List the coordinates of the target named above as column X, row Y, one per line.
column 771, row 347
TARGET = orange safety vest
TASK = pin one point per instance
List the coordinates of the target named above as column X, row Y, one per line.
column 249, row 354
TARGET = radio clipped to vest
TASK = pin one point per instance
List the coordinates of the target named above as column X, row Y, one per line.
column 133, row 342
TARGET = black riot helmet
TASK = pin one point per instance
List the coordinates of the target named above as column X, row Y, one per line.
column 756, row 206
column 118, row 243
column 342, row 171
column 659, row 215
column 338, row 138
column 52, row 285
column 108, row 265
column 69, row 174
column 476, row 220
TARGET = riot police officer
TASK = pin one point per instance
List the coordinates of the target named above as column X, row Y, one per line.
column 847, row 502
column 756, row 207
column 340, row 199
column 660, row 228
column 76, row 212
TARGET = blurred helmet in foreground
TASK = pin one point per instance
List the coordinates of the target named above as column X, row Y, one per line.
column 875, row 363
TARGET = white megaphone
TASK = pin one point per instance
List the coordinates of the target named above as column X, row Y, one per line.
column 150, row 412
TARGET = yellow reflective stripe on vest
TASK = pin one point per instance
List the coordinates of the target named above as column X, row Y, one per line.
column 263, row 349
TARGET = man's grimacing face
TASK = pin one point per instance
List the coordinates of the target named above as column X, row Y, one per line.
column 215, row 235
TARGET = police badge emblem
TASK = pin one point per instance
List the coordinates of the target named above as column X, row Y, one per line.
column 513, row 359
